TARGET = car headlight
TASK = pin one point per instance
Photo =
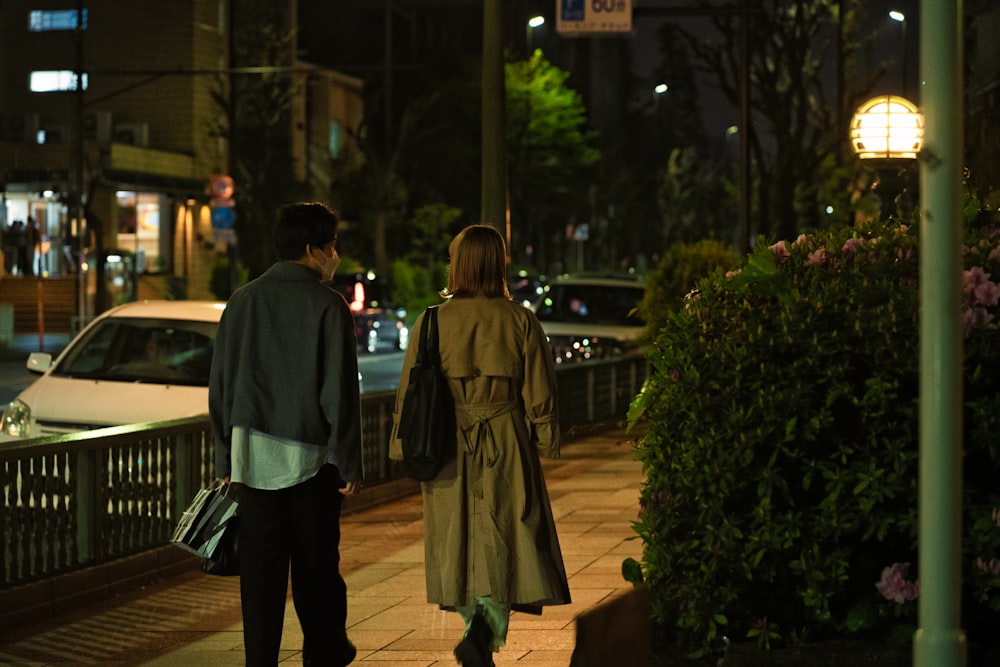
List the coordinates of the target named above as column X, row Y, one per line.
column 16, row 419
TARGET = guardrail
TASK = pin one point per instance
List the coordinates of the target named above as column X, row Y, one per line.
column 99, row 497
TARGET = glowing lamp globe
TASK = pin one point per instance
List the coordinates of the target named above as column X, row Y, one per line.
column 887, row 126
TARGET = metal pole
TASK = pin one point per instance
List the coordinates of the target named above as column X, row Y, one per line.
column 744, row 175
column 76, row 178
column 387, row 70
column 906, row 58
column 939, row 640
column 494, row 161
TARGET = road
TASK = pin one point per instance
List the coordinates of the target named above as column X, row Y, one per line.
column 379, row 372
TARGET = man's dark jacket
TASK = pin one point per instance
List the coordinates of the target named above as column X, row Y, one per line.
column 285, row 364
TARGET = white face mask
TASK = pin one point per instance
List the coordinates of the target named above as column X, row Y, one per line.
column 327, row 265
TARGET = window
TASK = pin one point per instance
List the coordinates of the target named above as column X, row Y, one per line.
column 150, row 350
column 48, row 81
column 138, row 215
column 41, row 20
column 594, row 304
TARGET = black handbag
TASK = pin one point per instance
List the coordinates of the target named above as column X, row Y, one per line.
column 427, row 420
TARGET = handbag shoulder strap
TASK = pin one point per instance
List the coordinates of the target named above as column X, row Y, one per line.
column 427, row 352
column 433, row 349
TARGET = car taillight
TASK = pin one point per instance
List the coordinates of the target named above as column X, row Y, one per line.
column 358, row 302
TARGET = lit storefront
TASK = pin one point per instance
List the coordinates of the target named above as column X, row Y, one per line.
column 40, row 249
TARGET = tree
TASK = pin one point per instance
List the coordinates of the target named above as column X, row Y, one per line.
column 374, row 188
column 434, row 161
column 803, row 79
column 695, row 201
column 550, row 152
column 258, row 126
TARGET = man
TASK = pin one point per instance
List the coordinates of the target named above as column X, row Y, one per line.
column 285, row 407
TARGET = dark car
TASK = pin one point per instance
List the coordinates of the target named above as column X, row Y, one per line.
column 378, row 324
column 592, row 316
column 525, row 287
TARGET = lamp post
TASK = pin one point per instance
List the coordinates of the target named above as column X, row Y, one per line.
column 939, row 639
column 529, row 31
column 900, row 18
column 888, row 131
column 887, row 127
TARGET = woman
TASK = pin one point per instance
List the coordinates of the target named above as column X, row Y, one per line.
column 490, row 540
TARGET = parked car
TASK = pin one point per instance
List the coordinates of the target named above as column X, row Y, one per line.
column 378, row 324
column 526, row 287
column 591, row 316
column 139, row 362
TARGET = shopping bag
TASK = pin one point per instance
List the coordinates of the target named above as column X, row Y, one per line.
column 202, row 524
column 225, row 560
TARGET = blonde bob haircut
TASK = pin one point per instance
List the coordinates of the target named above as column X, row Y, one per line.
column 478, row 265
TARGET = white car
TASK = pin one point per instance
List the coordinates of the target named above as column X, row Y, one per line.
column 139, row 362
column 591, row 316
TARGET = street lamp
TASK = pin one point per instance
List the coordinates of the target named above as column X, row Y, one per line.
column 658, row 90
column 887, row 127
column 900, row 18
column 533, row 22
column 889, row 132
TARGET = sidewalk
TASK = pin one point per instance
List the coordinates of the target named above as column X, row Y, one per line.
column 195, row 619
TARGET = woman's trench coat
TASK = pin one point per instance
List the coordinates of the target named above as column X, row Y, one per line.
column 488, row 527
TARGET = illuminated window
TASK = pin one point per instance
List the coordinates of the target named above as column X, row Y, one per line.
column 138, row 215
column 41, row 20
column 48, row 81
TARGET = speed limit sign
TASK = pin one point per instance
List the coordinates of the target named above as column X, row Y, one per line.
column 589, row 17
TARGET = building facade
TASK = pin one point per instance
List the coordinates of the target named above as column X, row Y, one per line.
column 132, row 153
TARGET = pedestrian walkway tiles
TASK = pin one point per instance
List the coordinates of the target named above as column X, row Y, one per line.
column 194, row 619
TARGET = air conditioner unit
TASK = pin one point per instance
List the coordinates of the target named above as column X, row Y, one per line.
column 97, row 126
column 135, row 134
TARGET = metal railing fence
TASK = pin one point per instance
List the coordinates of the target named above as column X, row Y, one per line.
column 82, row 499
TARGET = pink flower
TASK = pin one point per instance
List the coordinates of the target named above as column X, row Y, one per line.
column 817, row 256
column 780, row 251
column 994, row 255
column 894, row 586
column 973, row 278
column 802, row 240
column 974, row 317
column 978, row 293
column 852, row 245
column 987, row 293
column 991, row 567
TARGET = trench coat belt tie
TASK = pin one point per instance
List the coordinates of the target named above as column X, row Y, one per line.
column 474, row 425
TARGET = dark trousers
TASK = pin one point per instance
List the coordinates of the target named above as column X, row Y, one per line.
column 301, row 526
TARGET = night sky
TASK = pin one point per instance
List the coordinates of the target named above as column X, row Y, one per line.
column 350, row 36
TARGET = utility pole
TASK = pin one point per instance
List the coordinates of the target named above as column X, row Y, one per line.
column 494, row 158
column 77, row 211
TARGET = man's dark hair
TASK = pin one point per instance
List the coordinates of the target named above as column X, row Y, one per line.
column 302, row 224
